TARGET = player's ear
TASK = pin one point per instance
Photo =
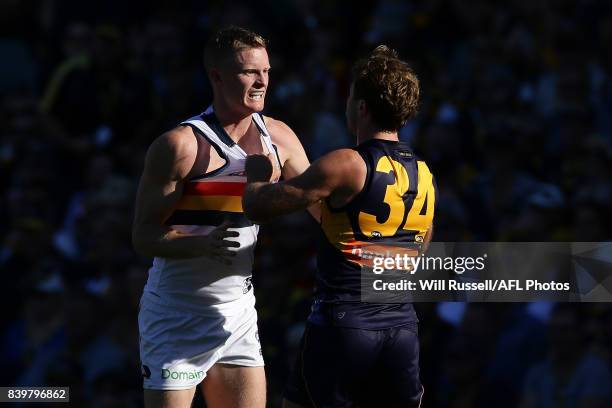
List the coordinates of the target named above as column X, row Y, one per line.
column 215, row 76
column 362, row 107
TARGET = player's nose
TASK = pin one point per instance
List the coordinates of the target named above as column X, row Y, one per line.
column 261, row 80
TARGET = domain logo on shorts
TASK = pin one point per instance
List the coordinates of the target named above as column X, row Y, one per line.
column 181, row 375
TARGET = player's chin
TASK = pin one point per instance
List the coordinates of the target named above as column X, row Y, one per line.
column 254, row 105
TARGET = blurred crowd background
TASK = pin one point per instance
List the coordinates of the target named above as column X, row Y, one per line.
column 515, row 123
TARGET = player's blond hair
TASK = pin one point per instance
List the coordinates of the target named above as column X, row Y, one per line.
column 228, row 41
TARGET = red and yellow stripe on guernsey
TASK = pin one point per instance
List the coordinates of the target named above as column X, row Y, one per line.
column 363, row 253
column 339, row 233
column 211, row 202
column 212, row 196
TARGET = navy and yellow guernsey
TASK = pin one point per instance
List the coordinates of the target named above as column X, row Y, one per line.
column 396, row 205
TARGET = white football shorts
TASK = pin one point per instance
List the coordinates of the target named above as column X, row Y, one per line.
column 177, row 347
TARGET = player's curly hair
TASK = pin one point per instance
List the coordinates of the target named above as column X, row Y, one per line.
column 388, row 86
column 227, row 41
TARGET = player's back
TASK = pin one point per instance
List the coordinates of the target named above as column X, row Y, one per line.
column 395, row 208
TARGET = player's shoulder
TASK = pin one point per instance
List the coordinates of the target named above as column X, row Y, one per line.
column 174, row 151
column 275, row 124
column 179, row 141
column 343, row 160
column 280, row 132
column 345, row 153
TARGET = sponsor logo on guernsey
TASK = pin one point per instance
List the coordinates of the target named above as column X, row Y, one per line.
column 404, row 153
column 181, row 375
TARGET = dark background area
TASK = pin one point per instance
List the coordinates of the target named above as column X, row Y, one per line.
column 515, row 123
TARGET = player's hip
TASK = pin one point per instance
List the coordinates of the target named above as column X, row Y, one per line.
column 224, row 295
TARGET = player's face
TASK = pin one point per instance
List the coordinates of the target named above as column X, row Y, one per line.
column 245, row 82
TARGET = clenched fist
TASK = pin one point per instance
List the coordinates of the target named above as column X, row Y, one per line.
column 259, row 167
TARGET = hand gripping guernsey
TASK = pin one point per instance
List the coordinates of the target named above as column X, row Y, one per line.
column 369, row 350
column 197, row 312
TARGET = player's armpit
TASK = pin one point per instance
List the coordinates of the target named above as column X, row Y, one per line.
column 337, row 173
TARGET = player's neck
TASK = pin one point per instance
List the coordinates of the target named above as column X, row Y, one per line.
column 369, row 133
column 235, row 124
column 380, row 135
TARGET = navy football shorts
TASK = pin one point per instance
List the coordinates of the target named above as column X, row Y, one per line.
column 346, row 367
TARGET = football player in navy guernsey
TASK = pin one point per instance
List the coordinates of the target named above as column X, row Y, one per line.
column 355, row 353
column 197, row 319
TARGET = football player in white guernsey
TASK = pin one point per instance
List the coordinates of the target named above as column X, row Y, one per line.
column 197, row 320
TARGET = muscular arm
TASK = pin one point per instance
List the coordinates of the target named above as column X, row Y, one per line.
column 292, row 155
column 339, row 175
column 168, row 163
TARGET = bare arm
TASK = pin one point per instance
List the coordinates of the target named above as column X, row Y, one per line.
column 292, row 155
column 168, row 163
column 339, row 175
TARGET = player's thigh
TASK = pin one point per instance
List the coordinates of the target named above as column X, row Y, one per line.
column 333, row 366
column 168, row 398
column 233, row 386
column 399, row 370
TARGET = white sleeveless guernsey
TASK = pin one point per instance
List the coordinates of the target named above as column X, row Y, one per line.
column 203, row 285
